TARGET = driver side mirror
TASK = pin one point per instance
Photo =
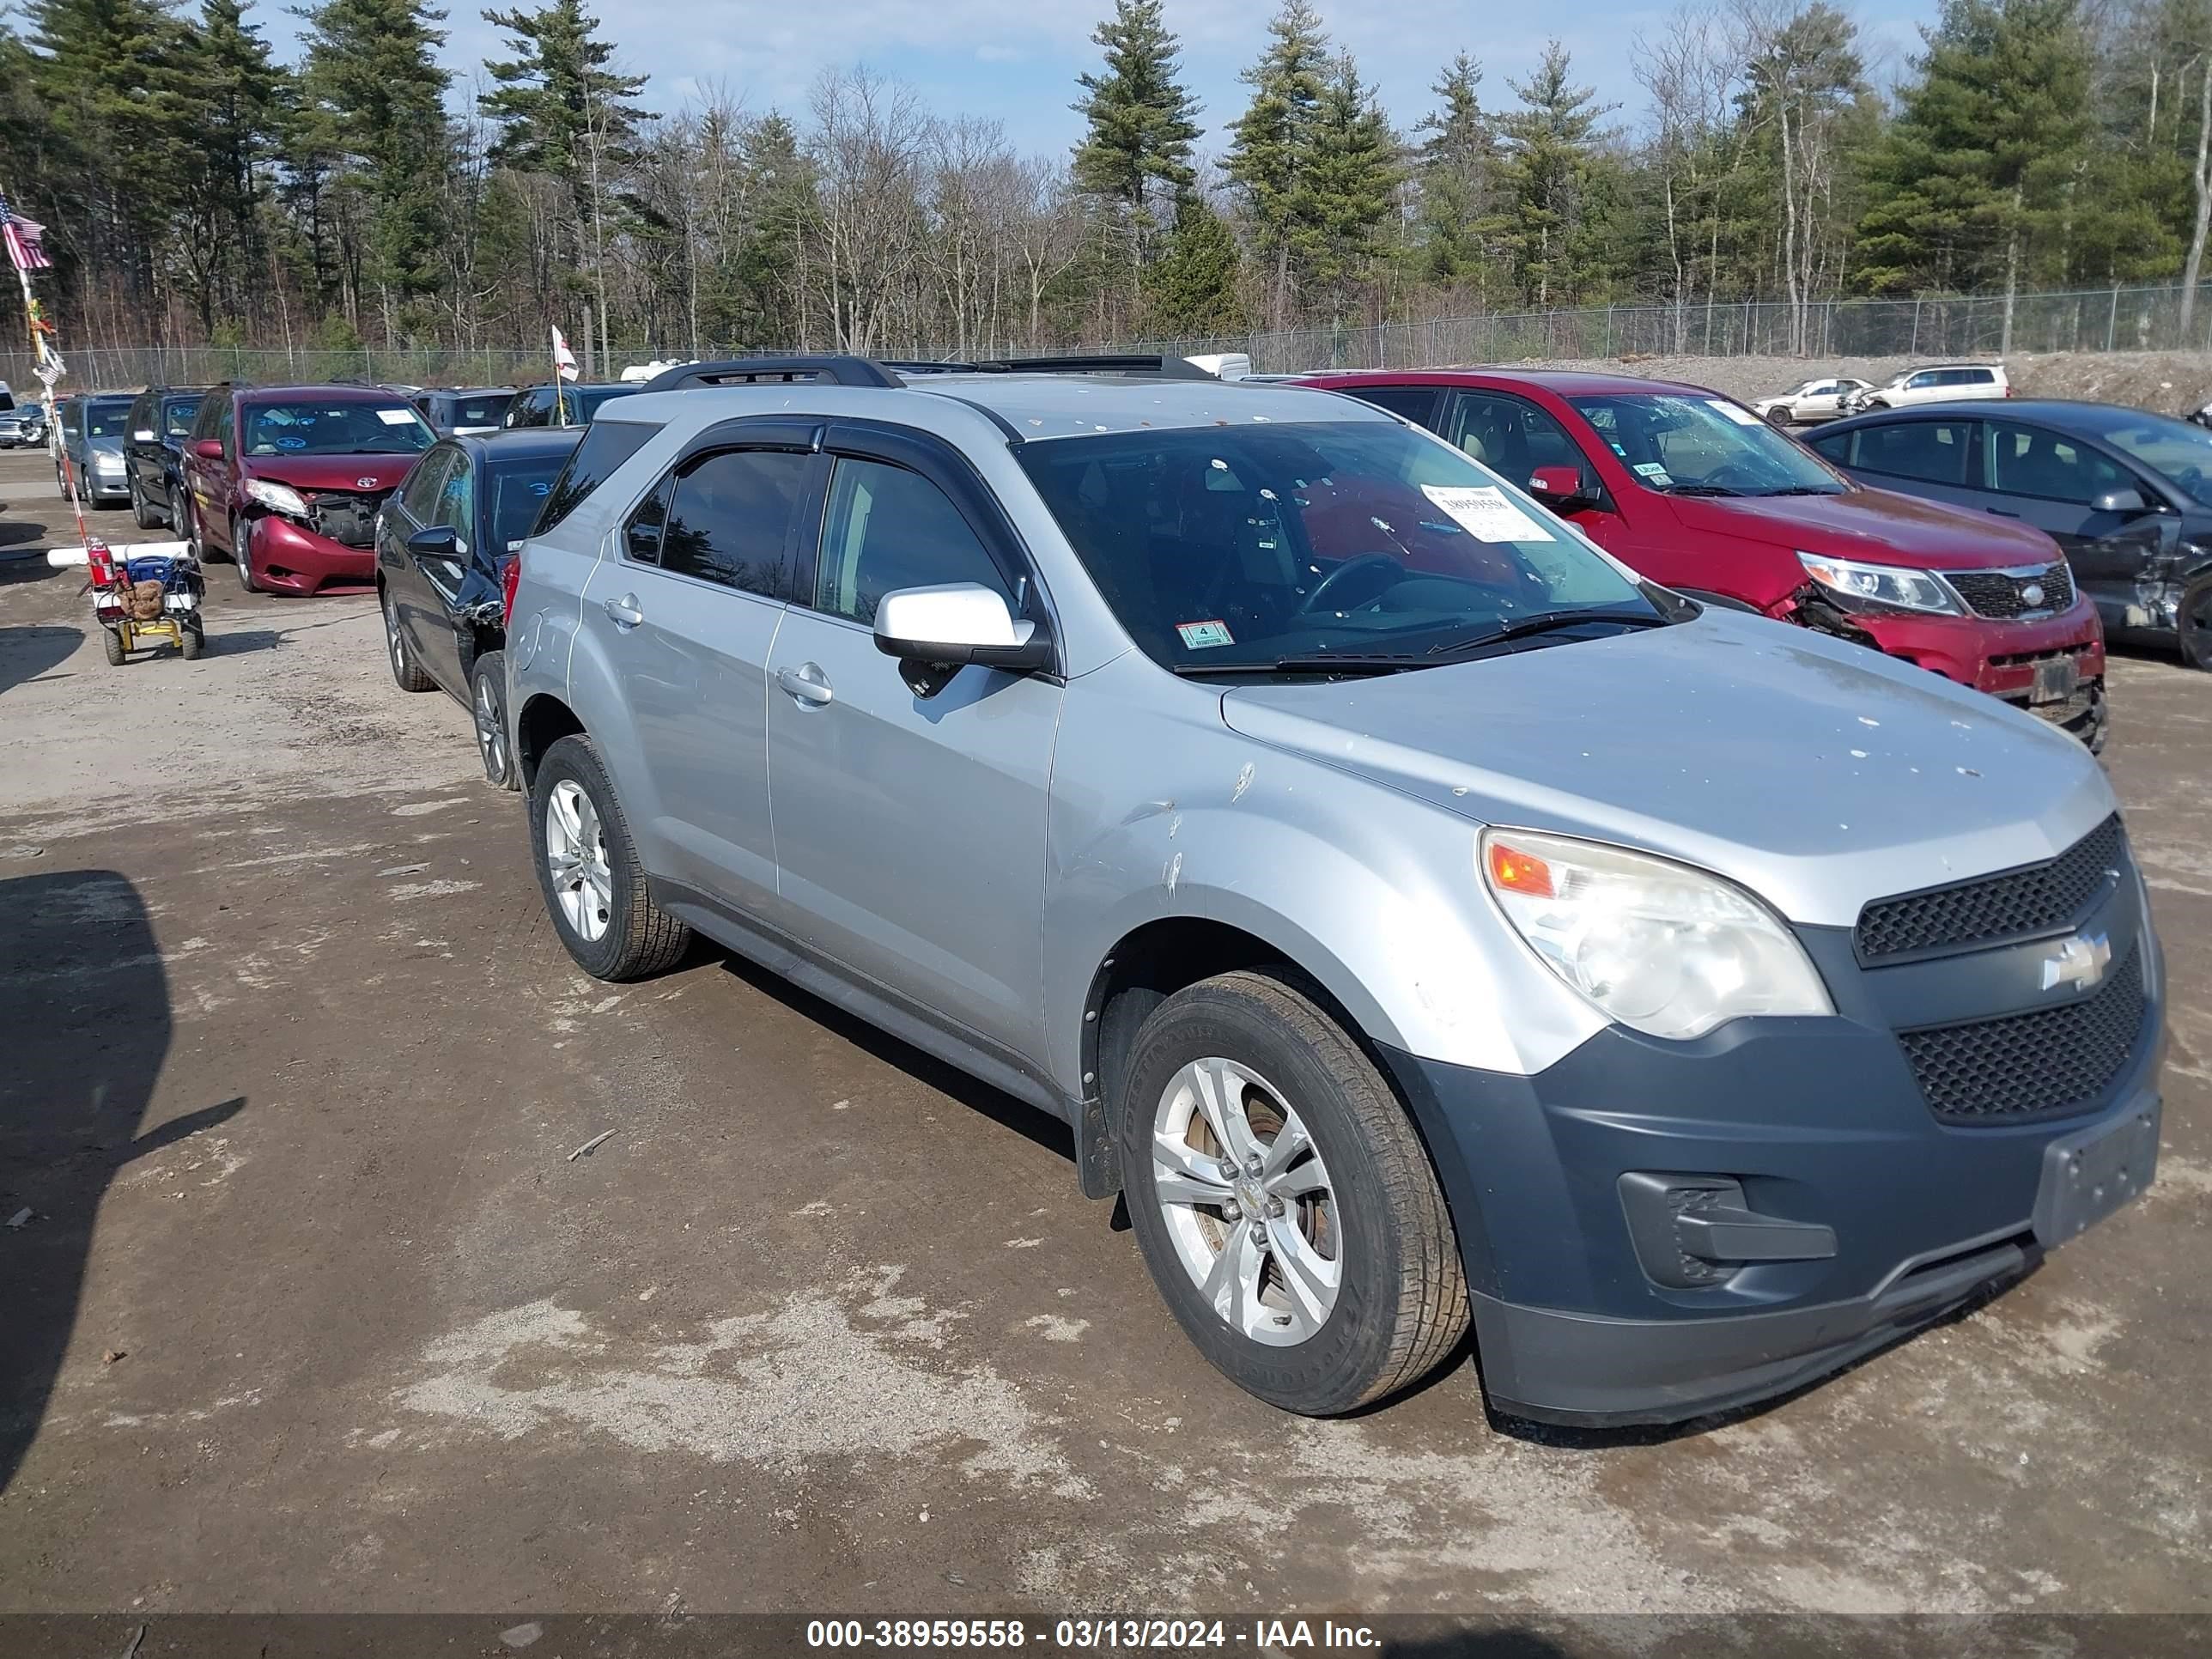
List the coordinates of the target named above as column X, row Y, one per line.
column 436, row 541
column 209, row 449
column 1562, row 488
column 2121, row 501
column 937, row 631
column 144, row 435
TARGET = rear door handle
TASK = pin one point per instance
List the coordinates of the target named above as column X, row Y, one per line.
column 806, row 684
column 624, row 610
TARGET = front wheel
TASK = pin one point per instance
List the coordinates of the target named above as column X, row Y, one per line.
column 588, row 867
column 405, row 671
column 1284, row 1204
column 2193, row 617
column 488, row 706
column 1778, row 416
column 242, row 554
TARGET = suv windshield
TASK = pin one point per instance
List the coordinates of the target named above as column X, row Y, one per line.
column 1222, row 548
column 334, row 428
column 1690, row 446
column 106, row 420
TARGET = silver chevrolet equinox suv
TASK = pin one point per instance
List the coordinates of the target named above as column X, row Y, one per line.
column 1419, row 919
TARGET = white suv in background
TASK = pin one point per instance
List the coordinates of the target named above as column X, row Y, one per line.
column 1942, row 383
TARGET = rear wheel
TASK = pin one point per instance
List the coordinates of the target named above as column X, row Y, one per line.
column 488, row 706
column 141, row 512
column 405, row 669
column 588, row 869
column 1282, row 1201
column 114, row 642
column 241, row 553
column 1779, row 415
column 191, row 640
column 2194, row 619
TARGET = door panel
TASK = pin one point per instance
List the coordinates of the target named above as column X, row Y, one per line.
column 910, row 831
column 435, row 591
column 686, row 609
column 2051, row 480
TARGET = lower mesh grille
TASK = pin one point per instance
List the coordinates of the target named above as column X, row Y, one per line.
column 2045, row 1064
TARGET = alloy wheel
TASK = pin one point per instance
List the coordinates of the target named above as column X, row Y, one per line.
column 1249, row 1204
column 492, row 727
column 394, row 641
column 576, row 860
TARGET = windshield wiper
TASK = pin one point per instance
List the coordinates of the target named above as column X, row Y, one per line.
column 1320, row 662
column 1549, row 621
column 1802, row 489
column 1701, row 489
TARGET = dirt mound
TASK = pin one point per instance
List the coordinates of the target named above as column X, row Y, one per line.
column 2173, row 382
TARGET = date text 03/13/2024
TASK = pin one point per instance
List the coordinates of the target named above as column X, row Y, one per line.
column 1103, row 1634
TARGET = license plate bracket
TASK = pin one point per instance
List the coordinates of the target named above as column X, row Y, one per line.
column 2089, row 1174
column 2055, row 678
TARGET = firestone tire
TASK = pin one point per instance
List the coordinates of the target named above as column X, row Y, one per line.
column 605, row 888
column 1358, row 1291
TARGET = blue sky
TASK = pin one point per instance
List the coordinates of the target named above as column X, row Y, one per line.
column 1016, row 61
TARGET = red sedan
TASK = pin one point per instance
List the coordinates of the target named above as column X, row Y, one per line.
column 1692, row 489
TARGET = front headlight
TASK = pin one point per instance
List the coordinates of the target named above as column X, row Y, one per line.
column 1893, row 585
column 1657, row 945
column 103, row 462
column 277, row 498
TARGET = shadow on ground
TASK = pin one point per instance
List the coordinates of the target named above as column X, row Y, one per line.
column 28, row 653
column 85, row 1004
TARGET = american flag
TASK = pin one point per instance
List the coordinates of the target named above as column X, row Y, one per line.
column 23, row 236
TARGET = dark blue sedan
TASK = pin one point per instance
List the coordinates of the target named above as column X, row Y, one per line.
column 443, row 544
column 2126, row 493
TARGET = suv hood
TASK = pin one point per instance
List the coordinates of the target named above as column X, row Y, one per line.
column 346, row 473
column 1816, row 772
column 1872, row 524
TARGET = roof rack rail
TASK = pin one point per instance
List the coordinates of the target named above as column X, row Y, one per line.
column 1167, row 368
column 825, row 368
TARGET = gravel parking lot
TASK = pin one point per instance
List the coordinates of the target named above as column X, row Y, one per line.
column 313, row 1310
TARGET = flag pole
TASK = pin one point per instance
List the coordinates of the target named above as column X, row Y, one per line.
column 49, row 370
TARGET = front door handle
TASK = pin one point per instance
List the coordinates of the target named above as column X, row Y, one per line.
column 624, row 611
column 806, row 684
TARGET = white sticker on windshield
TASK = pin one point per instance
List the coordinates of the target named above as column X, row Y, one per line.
column 1486, row 513
column 1653, row 474
column 395, row 416
column 1741, row 416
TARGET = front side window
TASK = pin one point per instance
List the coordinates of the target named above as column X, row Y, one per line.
column 2027, row 460
column 1684, row 445
column 335, row 428
column 2174, row 449
column 425, row 479
column 1236, row 548
column 456, row 506
column 728, row 516
column 1513, row 437
column 533, row 408
column 886, row 529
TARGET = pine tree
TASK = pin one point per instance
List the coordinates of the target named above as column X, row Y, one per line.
column 1272, row 149
column 1348, row 183
column 1142, row 122
column 1456, row 162
column 1973, row 184
column 371, row 75
column 1553, row 216
column 235, row 97
column 1193, row 287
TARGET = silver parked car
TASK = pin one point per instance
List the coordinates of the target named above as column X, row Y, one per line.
column 1417, row 917
column 91, row 430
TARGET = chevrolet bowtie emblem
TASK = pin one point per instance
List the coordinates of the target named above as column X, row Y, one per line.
column 2080, row 962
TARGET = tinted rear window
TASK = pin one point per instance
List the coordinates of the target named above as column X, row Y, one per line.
column 605, row 446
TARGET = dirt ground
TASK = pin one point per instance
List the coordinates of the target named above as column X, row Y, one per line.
column 313, row 1309
column 2175, row 382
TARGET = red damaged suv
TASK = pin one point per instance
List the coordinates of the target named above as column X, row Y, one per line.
column 1695, row 491
column 286, row 480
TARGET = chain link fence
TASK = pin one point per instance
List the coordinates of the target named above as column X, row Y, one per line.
column 2140, row 319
